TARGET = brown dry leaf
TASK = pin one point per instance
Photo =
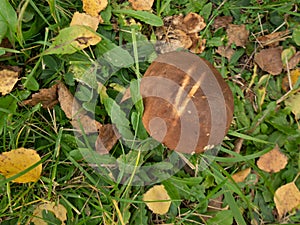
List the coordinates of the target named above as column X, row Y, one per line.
column 293, row 62
column 108, row 137
column 287, row 198
column 158, row 197
column 86, row 20
column 198, row 44
column 241, row 175
column 58, row 210
column 272, row 40
column 141, row 4
column 222, row 21
column 93, row 7
column 237, row 34
column 193, row 23
column 17, row 160
column 46, row 96
column 75, row 112
column 269, row 60
column 182, row 39
column 8, row 79
column 294, row 74
column 273, row 161
column 225, row 51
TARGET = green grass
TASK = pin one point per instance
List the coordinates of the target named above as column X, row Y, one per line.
column 82, row 184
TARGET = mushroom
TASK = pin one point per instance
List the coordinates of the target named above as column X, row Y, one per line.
column 188, row 105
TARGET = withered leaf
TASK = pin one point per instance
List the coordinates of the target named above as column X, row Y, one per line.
column 273, row 161
column 237, row 34
column 293, row 103
column 75, row 112
column 46, row 96
column 93, row 7
column 225, row 51
column 86, row 20
column 8, row 79
column 108, row 137
column 272, row 40
column 294, row 75
column 293, row 62
column 193, row 23
column 198, row 44
column 287, row 198
column 269, row 60
column 17, row 160
column 241, row 175
column 158, row 196
column 58, row 210
column 222, row 21
column 141, row 4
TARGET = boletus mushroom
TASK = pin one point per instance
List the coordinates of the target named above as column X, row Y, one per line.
column 188, row 105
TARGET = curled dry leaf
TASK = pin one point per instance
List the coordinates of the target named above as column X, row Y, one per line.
column 8, row 79
column 237, row 34
column 58, row 210
column 198, row 44
column 241, row 175
column 156, row 198
column 269, row 60
column 86, row 20
column 293, row 103
column 294, row 75
column 108, row 137
column 193, row 23
column 293, row 62
column 17, row 160
column 273, row 161
column 141, row 4
column 222, row 21
column 287, row 198
column 273, row 39
column 46, row 96
column 93, row 7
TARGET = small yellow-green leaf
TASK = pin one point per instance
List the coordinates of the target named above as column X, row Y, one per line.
column 293, row 103
column 58, row 210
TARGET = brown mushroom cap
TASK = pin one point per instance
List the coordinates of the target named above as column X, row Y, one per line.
column 188, row 105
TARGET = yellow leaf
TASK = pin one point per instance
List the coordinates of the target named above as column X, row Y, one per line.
column 293, row 103
column 58, row 210
column 17, row 160
column 93, row 7
column 155, row 198
column 294, row 75
column 8, row 79
column 287, row 198
column 141, row 4
column 241, row 175
column 86, row 20
column 273, row 161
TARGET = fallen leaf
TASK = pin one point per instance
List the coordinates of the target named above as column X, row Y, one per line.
column 294, row 75
column 222, row 21
column 293, row 62
column 141, row 4
column 273, row 161
column 158, row 197
column 273, row 39
column 225, row 51
column 75, row 112
column 8, row 79
column 241, row 175
column 86, row 20
column 287, row 198
column 108, row 137
column 72, row 39
column 46, row 96
column 237, row 34
column 287, row 54
column 293, row 103
column 93, row 7
column 58, row 210
column 269, row 60
column 193, row 23
column 17, row 160
column 198, row 44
